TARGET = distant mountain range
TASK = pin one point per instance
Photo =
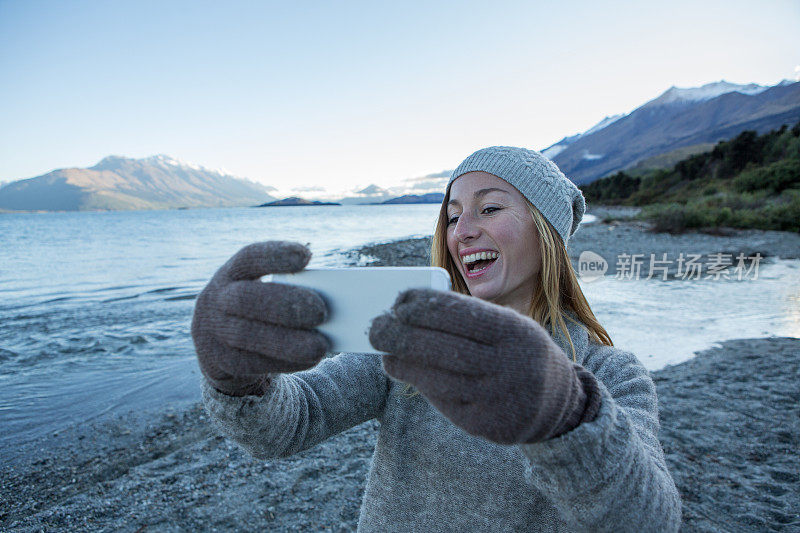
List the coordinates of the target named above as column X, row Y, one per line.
column 295, row 200
column 372, row 194
column 678, row 123
column 120, row 183
column 677, row 119
column 430, row 198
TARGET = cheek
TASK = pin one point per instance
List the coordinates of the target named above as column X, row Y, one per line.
column 508, row 240
column 520, row 251
column 451, row 247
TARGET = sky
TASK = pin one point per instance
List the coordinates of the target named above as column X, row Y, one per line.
column 328, row 97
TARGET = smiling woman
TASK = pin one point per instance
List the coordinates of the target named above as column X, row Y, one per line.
column 534, row 276
column 492, row 240
column 508, row 432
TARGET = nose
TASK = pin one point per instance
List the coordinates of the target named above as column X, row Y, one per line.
column 466, row 228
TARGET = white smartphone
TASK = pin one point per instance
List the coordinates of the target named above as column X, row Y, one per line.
column 356, row 295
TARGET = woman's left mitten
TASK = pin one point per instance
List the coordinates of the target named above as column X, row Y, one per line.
column 492, row 371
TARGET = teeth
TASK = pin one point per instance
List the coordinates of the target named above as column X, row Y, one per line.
column 471, row 258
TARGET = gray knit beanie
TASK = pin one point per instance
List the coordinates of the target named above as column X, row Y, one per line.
column 537, row 178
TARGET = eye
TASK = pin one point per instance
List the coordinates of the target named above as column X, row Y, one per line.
column 490, row 209
column 452, row 220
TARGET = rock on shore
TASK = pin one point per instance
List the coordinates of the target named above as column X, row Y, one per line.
column 407, row 252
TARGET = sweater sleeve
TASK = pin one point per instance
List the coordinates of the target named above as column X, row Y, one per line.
column 610, row 474
column 301, row 409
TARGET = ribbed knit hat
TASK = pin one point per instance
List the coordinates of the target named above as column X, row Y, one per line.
column 537, row 178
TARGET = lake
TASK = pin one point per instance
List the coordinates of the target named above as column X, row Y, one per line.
column 96, row 306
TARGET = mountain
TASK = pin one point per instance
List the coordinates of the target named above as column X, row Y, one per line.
column 676, row 119
column 676, row 95
column 121, row 183
column 430, row 198
column 372, row 190
column 372, row 194
column 295, row 200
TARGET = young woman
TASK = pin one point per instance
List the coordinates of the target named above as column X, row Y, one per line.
column 524, row 415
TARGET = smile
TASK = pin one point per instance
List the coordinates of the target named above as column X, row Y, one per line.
column 477, row 263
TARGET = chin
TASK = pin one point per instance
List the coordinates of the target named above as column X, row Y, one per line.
column 484, row 293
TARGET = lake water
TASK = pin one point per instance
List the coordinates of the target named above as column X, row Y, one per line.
column 95, row 307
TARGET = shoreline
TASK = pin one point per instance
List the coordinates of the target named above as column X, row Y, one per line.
column 620, row 236
column 728, row 427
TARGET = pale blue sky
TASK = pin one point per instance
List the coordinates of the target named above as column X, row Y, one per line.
column 343, row 94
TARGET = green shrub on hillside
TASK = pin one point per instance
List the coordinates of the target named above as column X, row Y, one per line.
column 750, row 181
column 734, row 211
column 612, row 188
column 774, row 177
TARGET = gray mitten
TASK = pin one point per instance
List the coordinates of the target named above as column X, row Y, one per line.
column 492, row 371
column 244, row 329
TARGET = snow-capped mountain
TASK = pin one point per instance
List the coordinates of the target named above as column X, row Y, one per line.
column 553, row 150
column 166, row 161
column 679, row 117
column 561, row 145
column 677, row 95
column 120, row 183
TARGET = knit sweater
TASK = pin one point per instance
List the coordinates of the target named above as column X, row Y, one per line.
column 428, row 475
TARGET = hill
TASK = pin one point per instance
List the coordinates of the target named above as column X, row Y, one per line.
column 750, row 181
column 120, row 183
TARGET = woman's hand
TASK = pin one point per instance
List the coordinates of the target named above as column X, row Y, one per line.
column 244, row 328
column 490, row 370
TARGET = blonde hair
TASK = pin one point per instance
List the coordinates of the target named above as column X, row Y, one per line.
column 557, row 288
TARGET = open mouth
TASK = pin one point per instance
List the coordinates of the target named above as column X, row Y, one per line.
column 479, row 261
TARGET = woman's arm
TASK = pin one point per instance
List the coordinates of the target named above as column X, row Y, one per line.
column 300, row 410
column 609, row 474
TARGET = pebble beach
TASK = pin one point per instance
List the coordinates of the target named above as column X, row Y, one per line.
column 730, row 428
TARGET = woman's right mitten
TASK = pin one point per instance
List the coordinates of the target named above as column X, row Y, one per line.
column 244, row 329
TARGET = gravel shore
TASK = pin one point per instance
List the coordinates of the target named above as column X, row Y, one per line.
column 730, row 427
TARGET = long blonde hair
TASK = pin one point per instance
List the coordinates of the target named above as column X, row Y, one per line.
column 557, row 287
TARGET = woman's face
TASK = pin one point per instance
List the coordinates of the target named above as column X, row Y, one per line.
column 488, row 216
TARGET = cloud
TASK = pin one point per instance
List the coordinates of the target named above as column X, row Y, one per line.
column 442, row 174
column 435, row 182
column 313, row 188
column 434, row 185
column 797, row 73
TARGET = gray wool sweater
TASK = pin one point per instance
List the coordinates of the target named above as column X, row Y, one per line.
column 428, row 475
